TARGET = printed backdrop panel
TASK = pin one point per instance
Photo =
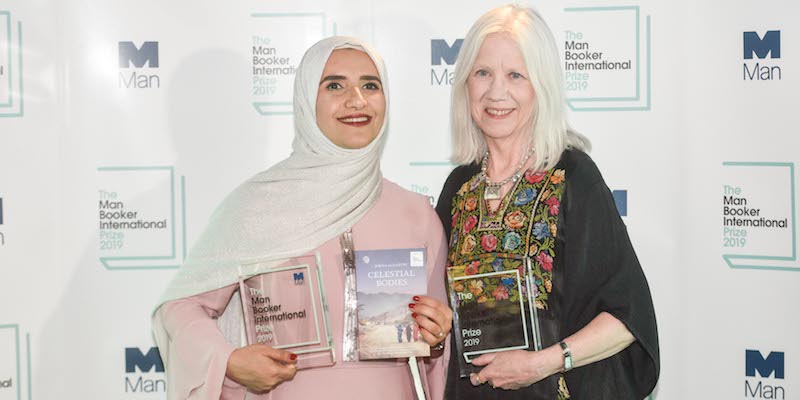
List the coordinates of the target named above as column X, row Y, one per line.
column 124, row 124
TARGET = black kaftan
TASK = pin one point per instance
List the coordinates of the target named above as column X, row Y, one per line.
column 589, row 266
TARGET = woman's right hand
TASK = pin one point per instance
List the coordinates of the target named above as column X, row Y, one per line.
column 261, row 368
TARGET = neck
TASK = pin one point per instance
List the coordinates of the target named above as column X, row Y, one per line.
column 505, row 154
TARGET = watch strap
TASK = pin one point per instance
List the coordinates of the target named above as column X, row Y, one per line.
column 567, row 356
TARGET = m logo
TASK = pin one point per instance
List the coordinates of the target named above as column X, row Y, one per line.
column 621, row 200
column 441, row 51
column 134, row 358
column 765, row 366
column 298, row 278
column 769, row 44
column 130, row 54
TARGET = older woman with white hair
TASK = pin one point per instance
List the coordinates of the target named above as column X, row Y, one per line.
column 331, row 184
column 527, row 192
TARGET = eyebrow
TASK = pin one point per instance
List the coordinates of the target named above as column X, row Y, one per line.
column 341, row 78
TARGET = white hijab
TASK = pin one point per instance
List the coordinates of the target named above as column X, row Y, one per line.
column 316, row 194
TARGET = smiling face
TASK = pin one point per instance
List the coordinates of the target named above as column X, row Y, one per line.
column 350, row 101
column 501, row 97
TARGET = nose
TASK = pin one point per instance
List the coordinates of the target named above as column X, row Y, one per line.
column 498, row 90
column 355, row 99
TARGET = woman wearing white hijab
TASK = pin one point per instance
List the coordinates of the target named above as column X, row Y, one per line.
column 331, row 183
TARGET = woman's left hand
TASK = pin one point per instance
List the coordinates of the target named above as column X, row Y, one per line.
column 435, row 319
column 515, row 369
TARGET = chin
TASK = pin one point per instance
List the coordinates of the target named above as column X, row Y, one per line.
column 497, row 133
column 358, row 144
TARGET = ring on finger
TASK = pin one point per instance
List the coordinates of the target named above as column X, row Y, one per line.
column 440, row 334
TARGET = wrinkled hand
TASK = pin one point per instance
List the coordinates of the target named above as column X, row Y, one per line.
column 261, row 368
column 512, row 370
column 434, row 318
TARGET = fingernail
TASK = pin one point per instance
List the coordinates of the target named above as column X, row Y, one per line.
column 416, row 298
column 411, row 305
column 413, row 315
column 293, row 357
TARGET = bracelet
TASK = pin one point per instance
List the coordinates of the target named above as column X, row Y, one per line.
column 439, row 346
column 567, row 356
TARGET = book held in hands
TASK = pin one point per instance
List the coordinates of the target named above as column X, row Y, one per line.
column 387, row 281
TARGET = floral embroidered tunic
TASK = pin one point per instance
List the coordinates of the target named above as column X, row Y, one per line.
column 565, row 222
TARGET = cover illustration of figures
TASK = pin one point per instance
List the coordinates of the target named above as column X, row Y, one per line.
column 386, row 282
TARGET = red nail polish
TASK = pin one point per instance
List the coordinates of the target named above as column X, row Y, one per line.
column 416, row 298
column 413, row 315
column 293, row 357
column 411, row 305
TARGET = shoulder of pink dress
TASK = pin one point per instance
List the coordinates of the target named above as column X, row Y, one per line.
column 396, row 193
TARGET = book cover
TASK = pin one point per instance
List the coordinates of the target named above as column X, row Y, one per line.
column 386, row 282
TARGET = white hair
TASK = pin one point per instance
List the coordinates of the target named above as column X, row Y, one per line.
column 550, row 133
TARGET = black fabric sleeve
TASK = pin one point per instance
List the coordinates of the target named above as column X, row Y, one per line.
column 454, row 182
column 604, row 274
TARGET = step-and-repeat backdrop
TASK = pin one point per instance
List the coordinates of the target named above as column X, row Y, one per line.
column 150, row 112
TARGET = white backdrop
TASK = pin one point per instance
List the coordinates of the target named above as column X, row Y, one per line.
column 159, row 109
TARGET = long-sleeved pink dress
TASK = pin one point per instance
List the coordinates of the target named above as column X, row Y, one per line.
column 198, row 353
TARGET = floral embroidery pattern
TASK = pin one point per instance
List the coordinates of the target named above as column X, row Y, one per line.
column 515, row 220
column 468, row 245
column 511, row 241
column 488, row 242
column 470, row 223
column 524, row 225
column 470, row 203
column 525, row 197
column 485, row 288
column 563, row 392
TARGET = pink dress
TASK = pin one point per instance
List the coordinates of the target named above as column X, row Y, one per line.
column 198, row 353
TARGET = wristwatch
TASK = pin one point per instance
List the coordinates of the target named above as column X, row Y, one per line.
column 567, row 356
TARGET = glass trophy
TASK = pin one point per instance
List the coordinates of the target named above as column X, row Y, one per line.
column 285, row 306
column 492, row 311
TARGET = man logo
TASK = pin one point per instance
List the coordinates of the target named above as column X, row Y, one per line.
column 769, row 44
column 761, row 69
column 621, row 201
column 441, row 51
column 765, row 366
column 298, row 278
column 134, row 358
column 129, row 54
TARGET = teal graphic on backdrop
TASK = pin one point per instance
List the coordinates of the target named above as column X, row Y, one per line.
column 425, row 191
column 277, row 44
column 607, row 57
column 12, row 102
column 141, row 218
column 15, row 363
column 2, row 235
column 758, row 216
